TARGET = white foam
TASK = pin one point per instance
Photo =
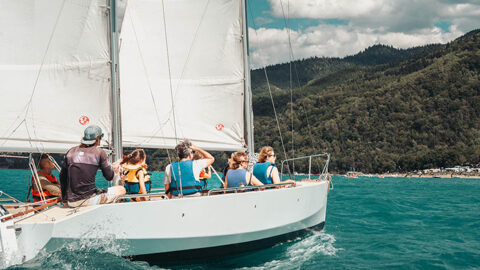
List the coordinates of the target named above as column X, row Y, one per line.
column 302, row 251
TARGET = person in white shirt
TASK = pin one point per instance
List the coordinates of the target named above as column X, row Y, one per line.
column 182, row 177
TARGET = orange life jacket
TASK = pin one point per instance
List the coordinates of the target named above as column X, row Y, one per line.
column 37, row 196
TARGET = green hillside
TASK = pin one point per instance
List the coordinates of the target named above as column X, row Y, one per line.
column 419, row 109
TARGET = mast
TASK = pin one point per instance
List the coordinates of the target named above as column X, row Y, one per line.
column 248, row 87
column 116, row 118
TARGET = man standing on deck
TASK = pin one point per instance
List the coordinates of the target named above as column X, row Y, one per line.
column 79, row 167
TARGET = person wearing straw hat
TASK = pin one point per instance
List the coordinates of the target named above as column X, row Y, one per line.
column 77, row 176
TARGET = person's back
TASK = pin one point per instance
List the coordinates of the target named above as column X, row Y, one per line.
column 137, row 179
column 182, row 177
column 183, row 172
column 82, row 164
column 77, row 177
column 237, row 175
column 236, row 178
column 263, row 172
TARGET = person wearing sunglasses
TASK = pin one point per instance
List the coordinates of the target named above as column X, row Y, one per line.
column 265, row 170
column 237, row 175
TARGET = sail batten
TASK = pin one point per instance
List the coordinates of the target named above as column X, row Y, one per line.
column 198, row 59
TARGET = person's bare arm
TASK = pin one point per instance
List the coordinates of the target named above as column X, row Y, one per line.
column 54, row 189
column 169, row 195
column 210, row 159
column 208, row 173
column 141, row 183
column 276, row 178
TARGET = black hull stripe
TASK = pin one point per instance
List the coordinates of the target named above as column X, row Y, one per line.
column 191, row 255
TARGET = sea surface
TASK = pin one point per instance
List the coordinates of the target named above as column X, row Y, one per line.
column 372, row 223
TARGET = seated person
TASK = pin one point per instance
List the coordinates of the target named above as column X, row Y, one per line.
column 137, row 180
column 237, row 175
column 81, row 163
column 49, row 185
column 265, row 170
column 206, row 173
column 182, row 177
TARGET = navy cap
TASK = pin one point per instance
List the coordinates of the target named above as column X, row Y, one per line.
column 91, row 134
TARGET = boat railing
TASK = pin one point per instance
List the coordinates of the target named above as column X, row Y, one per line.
column 246, row 188
column 324, row 173
column 148, row 195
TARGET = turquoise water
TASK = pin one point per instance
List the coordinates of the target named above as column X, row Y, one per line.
column 376, row 223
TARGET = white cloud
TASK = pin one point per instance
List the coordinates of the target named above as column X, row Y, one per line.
column 402, row 24
column 391, row 15
column 270, row 46
column 324, row 9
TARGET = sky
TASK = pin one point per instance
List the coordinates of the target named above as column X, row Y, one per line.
column 337, row 28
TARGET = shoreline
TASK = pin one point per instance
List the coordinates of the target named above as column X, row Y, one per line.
column 414, row 175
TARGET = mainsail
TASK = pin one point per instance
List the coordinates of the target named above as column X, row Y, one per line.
column 182, row 73
column 54, row 73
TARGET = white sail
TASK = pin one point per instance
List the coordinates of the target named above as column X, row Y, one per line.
column 197, row 65
column 54, row 73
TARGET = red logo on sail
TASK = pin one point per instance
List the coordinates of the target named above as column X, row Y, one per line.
column 83, row 120
column 219, row 127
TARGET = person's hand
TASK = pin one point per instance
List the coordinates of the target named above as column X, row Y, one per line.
column 144, row 165
column 194, row 148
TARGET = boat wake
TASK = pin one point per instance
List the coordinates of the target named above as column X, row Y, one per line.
column 84, row 254
column 303, row 250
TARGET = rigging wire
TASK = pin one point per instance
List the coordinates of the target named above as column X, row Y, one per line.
column 314, row 143
column 286, row 20
column 161, row 124
column 171, row 94
column 271, row 98
column 147, row 77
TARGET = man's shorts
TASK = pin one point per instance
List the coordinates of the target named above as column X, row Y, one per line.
column 96, row 199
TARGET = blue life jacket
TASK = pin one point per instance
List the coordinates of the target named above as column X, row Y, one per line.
column 236, row 178
column 134, row 188
column 260, row 172
column 189, row 184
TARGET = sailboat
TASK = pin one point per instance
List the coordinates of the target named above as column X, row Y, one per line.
column 150, row 73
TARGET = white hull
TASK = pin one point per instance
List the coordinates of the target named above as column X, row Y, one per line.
column 170, row 226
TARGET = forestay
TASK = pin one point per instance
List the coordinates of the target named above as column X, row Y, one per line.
column 54, row 73
column 182, row 75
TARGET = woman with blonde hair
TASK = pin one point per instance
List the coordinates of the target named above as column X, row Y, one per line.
column 237, row 175
column 265, row 170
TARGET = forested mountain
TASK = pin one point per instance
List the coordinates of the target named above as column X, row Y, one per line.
column 417, row 110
